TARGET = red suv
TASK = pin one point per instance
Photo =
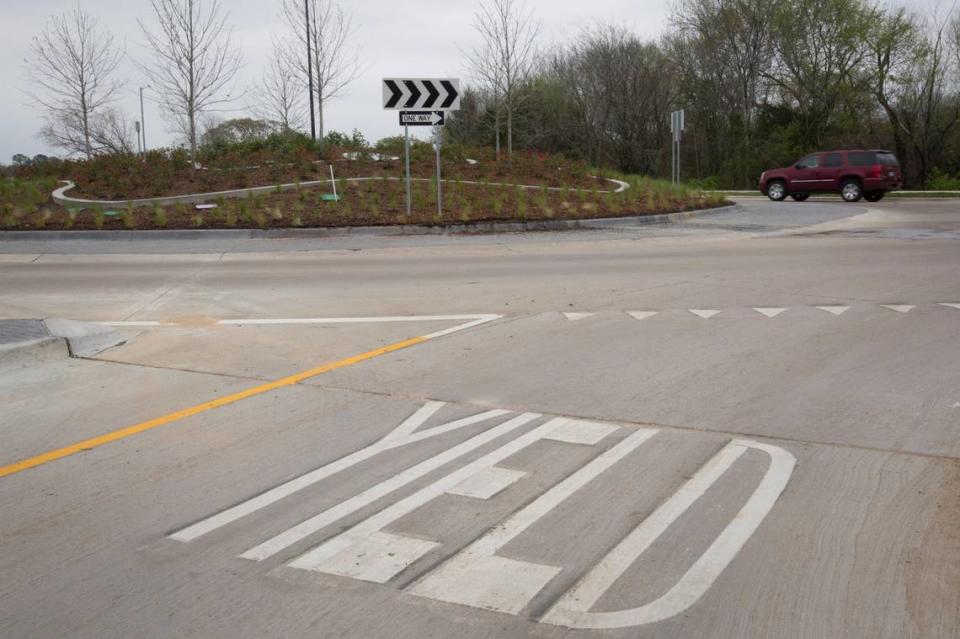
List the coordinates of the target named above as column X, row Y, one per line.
column 852, row 174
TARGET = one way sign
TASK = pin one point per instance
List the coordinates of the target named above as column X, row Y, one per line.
column 421, row 118
column 404, row 94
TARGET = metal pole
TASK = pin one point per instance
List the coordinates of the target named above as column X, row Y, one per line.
column 678, row 159
column 143, row 123
column 439, row 188
column 313, row 122
column 406, row 144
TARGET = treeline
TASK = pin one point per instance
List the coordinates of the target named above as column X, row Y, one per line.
column 762, row 83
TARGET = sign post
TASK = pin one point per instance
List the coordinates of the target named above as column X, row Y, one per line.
column 437, row 143
column 677, row 126
column 421, row 102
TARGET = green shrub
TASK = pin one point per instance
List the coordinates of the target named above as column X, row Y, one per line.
column 943, row 182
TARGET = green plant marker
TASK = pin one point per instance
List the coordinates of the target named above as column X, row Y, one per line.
column 111, row 213
column 329, row 197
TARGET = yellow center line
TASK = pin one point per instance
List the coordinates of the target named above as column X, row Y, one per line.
column 95, row 442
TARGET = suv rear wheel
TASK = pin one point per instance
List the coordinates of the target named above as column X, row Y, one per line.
column 873, row 196
column 851, row 190
column 800, row 197
column 777, row 190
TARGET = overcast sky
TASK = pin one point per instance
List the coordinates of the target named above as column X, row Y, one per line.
column 393, row 38
column 412, row 38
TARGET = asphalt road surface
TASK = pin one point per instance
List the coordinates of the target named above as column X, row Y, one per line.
column 744, row 425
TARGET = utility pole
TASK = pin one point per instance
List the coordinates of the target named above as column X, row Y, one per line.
column 313, row 122
column 143, row 123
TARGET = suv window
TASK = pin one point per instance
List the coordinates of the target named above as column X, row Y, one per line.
column 888, row 159
column 862, row 158
column 832, row 160
column 809, row 162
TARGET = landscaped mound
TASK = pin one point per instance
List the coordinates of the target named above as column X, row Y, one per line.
column 369, row 188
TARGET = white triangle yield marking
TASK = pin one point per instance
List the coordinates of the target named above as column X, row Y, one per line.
column 836, row 310
column 769, row 312
column 573, row 317
column 704, row 313
column 951, row 305
column 641, row 315
column 900, row 308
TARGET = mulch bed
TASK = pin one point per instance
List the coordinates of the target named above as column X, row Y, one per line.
column 371, row 203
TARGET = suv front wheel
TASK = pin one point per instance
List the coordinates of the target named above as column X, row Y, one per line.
column 777, row 190
column 851, row 191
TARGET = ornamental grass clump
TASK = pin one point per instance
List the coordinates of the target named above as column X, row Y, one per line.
column 159, row 217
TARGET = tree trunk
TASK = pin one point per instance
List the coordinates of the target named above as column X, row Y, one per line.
column 509, row 130
column 320, row 131
column 496, row 126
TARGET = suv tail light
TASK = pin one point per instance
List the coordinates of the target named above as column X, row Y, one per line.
column 876, row 171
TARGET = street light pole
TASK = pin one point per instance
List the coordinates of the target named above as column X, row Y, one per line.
column 143, row 122
column 313, row 122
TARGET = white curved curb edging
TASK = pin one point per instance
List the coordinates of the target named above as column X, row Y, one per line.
column 59, row 195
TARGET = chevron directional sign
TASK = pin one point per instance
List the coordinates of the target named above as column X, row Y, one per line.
column 407, row 94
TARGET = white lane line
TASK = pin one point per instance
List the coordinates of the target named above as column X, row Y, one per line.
column 769, row 312
column 480, row 319
column 350, row 552
column 354, row 320
column 573, row 317
column 900, row 308
column 288, row 488
column 704, row 313
column 951, row 305
column 573, row 609
column 322, row 520
column 641, row 315
column 836, row 310
column 476, row 576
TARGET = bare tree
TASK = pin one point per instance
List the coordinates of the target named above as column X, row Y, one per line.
column 194, row 61
column 278, row 97
column 504, row 60
column 330, row 63
column 72, row 62
column 112, row 131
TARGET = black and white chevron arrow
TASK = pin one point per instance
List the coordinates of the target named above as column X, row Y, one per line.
column 437, row 94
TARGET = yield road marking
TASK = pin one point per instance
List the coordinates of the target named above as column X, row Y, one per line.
column 400, row 436
column 770, row 312
column 900, row 308
column 704, row 313
column 478, row 577
column 836, row 310
column 641, row 315
column 951, row 305
column 368, row 553
column 573, row 317
column 129, row 431
column 573, row 610
column 318, row 522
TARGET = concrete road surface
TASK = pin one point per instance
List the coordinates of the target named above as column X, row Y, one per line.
column 744, row 425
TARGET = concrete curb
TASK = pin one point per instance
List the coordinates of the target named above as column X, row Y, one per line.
column 64, row 338
column 33, row 352
column 460, row 228
column 59, row 195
